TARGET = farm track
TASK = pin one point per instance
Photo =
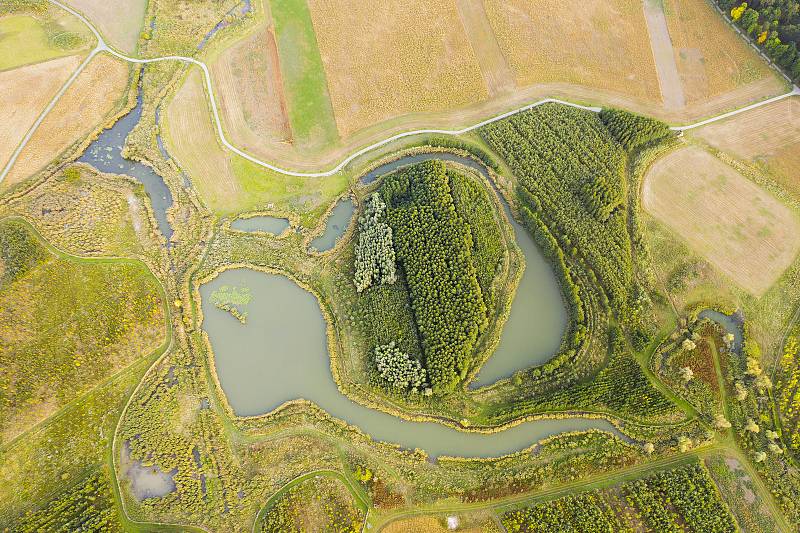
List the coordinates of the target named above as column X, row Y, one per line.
column 102, row 46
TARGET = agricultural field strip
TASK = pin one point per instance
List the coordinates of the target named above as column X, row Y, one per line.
column 103, row 47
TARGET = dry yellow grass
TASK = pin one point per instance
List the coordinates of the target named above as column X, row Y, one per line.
column 768, row 137
column 24, row 92
column 712, row 59
column 247, row 80
column 432, row 524
column 194, row 144
column 91, row 100
column 745, row 232
column 119, row 22
column 391, row 58
column 593, row 43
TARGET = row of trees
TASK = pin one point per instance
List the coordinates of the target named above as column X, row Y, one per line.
column 375, row 259
column 434, row 246
column 552, row 149
column 774, row 25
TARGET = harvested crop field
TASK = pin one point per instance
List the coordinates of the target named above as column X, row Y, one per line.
column 392, row 58
column 25, row 92
column 119, row 22
column 247, row 80
column 593, row 43
column 92, row 99
column 768, row 137
column 712, row 67
column 745, row 232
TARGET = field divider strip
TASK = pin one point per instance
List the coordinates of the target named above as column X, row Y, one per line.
column 102, row 46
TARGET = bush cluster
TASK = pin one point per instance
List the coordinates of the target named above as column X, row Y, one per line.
column 399, row 369
column 375, row 260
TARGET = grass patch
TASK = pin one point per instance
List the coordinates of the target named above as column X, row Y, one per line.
column 25, row 39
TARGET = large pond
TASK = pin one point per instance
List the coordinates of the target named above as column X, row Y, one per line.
column 538, row 318
column 280, row 354
column 105, row 154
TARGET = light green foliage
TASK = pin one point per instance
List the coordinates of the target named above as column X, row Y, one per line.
column 434, row 246
column 318, row 504
column 374, row 251
column 634, row 131
column 552, row 149
column 88, row 506
column 231, row 295
column 34, row 36
column 399, row 369
column 66, row 323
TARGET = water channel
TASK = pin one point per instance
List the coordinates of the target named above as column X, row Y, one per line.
column 281, row 353
column 335, row 226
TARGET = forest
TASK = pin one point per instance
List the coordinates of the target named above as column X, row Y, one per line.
column 774, row 25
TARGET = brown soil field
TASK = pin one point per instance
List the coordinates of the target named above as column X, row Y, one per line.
column 393, row 58
column 247, row 81
column 119, row 22
column 25, row 92
column 193, row 141
column 711, row 67
column 768, row 137
column 92, row 100
column 594, row 43
column 496, row 72
column 745, row 232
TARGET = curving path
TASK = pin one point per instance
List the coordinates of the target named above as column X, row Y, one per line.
column 102, row 46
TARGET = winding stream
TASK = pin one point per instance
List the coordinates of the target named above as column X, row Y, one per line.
column 281, row 352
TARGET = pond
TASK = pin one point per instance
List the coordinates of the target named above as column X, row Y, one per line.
column 105, row 154
column 272, row 225
column 146, row 481
column 335, row 226
column 280, row 354
column 731, row 324
column 532, row 335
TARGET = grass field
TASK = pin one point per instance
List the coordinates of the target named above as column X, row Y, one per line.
column 712, row 67
column 67, row 324
column 26, row 39
column 603, row 45
column 247, row 81
column 228, row 183
column 119, row 22
column 92, row 99
column 742, row 230
column 392, row 58
column 309, row 105
column 25, row 91
column 768, row 137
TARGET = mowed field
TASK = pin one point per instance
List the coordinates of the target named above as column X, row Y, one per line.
column 742, row 230
column 119, row 22
column 718, row 69
column 391, row 58
column 247, row 81
column 24, row 93
column 92, row 99
column 226, row 182
column 592, row 43
column 768, row 137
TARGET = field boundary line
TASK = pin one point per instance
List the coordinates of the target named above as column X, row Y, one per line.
column 102, row 46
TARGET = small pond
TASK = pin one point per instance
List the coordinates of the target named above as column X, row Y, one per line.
column 280, row 354
column 272, row 225
column 731, row 324
column 146, row 481
column 105, row 154
column 532, row 335
column 335, row 226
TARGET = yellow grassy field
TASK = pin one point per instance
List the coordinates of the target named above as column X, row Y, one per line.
column 247, row 81
column 768, row 137
column 91, row 100
column 24, row 93
column 593, row 43
column 431, row 524
column 386, row 59
column 119, row 22
column 712, row 66
column 742, row 230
